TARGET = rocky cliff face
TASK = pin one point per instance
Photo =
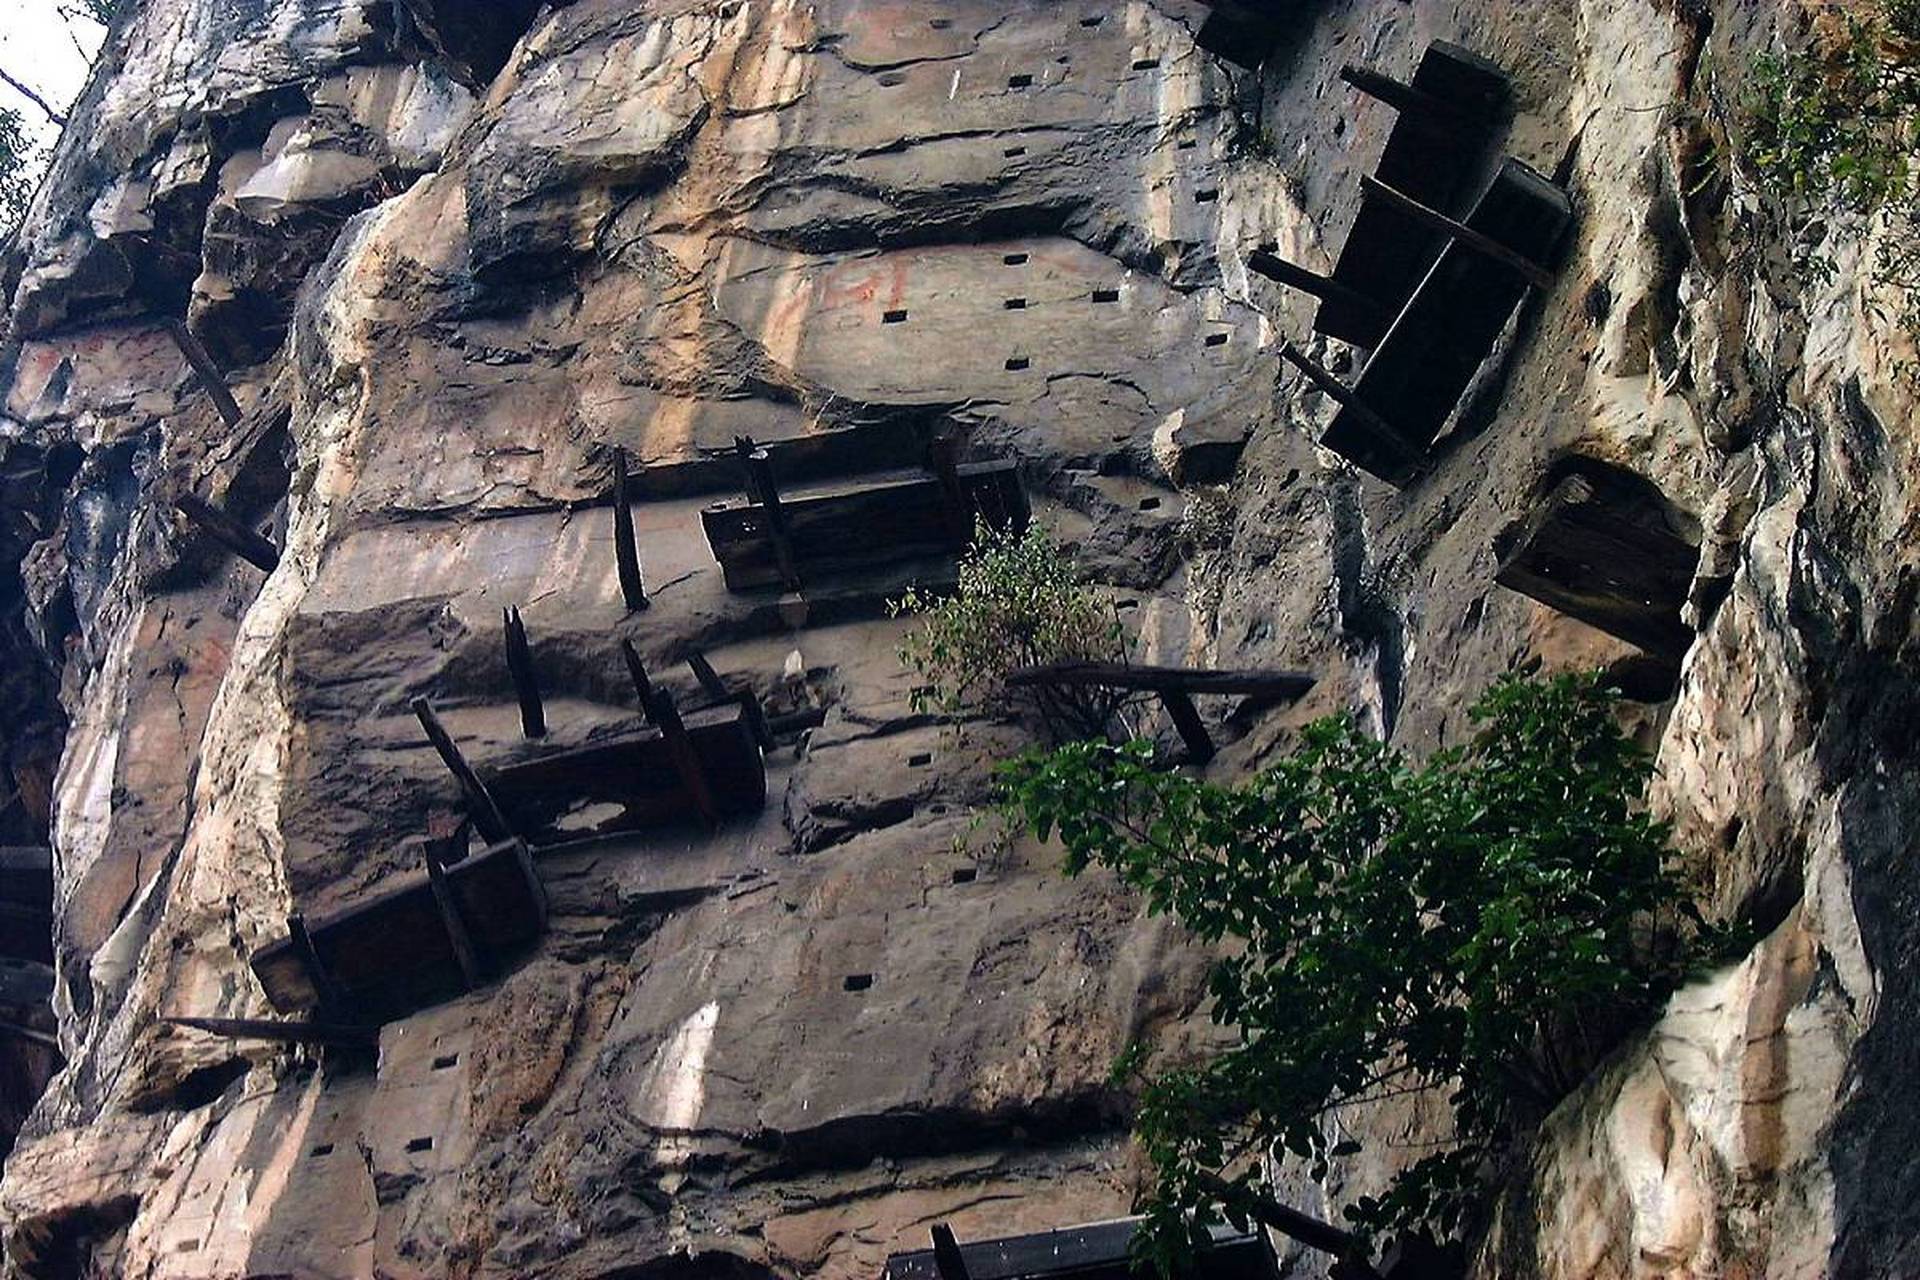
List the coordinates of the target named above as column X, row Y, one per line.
column 452, row 256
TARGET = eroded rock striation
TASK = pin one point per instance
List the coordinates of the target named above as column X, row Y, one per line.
column 451, row 256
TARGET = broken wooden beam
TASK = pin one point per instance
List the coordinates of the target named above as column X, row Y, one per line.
column 626, row 549
column 486, row 814
column 637, row 672
column 205, row 371
column 946, row 1254
column 229, row 533
column 390, row 953
column 1605, row 547
column 1461, row 234
column 533, row 714
column 284, row 1032
column 764, row 492
column 687, row 763
column 448, row 904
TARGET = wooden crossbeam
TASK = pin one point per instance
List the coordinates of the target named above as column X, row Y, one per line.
column 533, row 715
column 1251, row 682
column 331, row 996
column 1386, row 450
column 229, row 533
column 1326, row 288
column 626, row 549
column 1334, row 389
column 1460, row 233
column 946, row 1254
column 1413, row 103
column 286, row 1032
column 464, row 951
column 764, row 492
column 205, row 371
column 686, row 759
column 486, row 814
column 637, row 672
column 943, row 459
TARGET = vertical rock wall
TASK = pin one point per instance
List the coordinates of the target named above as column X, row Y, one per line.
column 449, row 266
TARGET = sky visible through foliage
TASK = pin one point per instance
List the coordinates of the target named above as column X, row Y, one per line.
column 45, row 45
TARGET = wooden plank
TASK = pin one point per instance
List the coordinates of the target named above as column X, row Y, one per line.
column 1415, row 104
column 1250, row 682
column 719, row 690
column 229, row 533
column 448, row 904
column 45, row 1039
column 1461, row 234
column 1606, row 548
column 1294, row 276
column 946, row 1254
column 1415, row 378
column 1096, row 1251
column 856, row 527
column 635, row 775
column 280, row 1031
column 1386, row 450
column 764, row 492
column 686, row 759
column 205, row 371
column 637, row 672
column 626, row 548
column 710, row 682
column 526, row 686
column 1387, row 253
column 480, row 802
column 390, row 954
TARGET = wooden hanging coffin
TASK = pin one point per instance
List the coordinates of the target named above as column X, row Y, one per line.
column 394, row 953
column 851, row 527
column 1097, row 1251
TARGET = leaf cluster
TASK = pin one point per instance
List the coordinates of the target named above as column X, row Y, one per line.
column 1468, row 926
column 1019, row 602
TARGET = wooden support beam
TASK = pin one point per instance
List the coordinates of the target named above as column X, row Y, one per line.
column 637, row 672
column 718, row 691
column 686, row 760
column 458, row 935
column 710, row 681
column 626, row 549
column 1414, row 104
column 205, row 371
column 943, row 459
column 1305, row 1228
column 533, row 714
column 1193, row 730
column 32, row 1035
column 486, row 814
column 332, row 998
column 1460, row 233
column 282, row 1031
column 1326, row 288
column 946, row 1254
column 763, row 491
column 1252, row 683
column 1388, row 435
column 530, row 874
column 229, row 533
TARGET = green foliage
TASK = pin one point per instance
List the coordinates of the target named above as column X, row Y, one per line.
column 1836, row 123
column 18, row 170
column 1470, row 926
column 1018, row 603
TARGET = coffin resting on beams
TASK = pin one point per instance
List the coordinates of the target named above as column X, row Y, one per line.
column 635, row 774
column 1415, row 378
column 1246, row 32
column 850, row 527
column 394, row 952
column 1097, row 1251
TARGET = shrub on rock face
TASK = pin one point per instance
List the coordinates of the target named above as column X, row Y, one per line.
column 1480, row 927
column 1018, row 603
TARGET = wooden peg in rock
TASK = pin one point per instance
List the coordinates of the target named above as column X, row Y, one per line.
column 1326, row 288
column 533, row 714
column 685, row 756
column 205, row 371
column 1413, row 104
column 642, row 683
column 1341, row 394
column 229, row 533
column 765, row 493
column 282, row 1032
column 626, row 549
column 709, row 679
column 480, row 802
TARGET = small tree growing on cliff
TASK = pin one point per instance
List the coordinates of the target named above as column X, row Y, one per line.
column 1018, row 603
column 1469, row 926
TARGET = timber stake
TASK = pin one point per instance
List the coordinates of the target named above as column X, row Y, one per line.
column 533, row 714
column 626, row 549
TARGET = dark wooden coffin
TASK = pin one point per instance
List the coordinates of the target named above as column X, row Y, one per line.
column 391, row 954
column 1098, row 1251
column 1438, row 161
column 853, row 527
column 1416, row 376
column 1246, row 32
column 1607, row 548
column 635, row 772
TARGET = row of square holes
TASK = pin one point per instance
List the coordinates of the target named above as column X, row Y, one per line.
column 444, row 1062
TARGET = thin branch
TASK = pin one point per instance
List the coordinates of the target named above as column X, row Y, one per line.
column 59, row 120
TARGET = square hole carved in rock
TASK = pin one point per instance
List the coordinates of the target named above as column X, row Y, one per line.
column 940, row 24
column 446, row 1060
column 1016, row 363
column 1019, row 82
column 1216, row 339
column 965, row 875
column 1206, row 197
column 1145, row 64
column 1014, row 259
column 857, row 982
column 1015, row 152
column 1093, row 20
column 892, row 79
column 1106, row 295
column 324, row 1149
column 1015, row 304
column 420, row 1144
column 1149, row 504
column 893, row 317
column 919, row 759
column 1185, row 144
column 187, row 1246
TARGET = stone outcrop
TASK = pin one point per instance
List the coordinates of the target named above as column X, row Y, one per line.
column 451, row 256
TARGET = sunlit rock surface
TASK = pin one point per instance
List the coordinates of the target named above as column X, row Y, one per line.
column 452, row 255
